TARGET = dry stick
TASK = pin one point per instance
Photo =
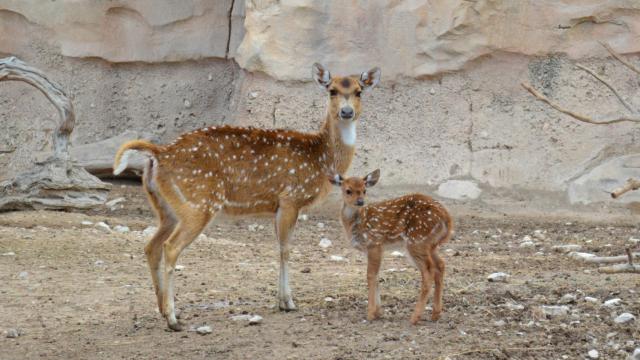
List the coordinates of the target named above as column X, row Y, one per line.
column 631, row 184
column 620, row 58
column 574, row 115
column 613, row 90
column 629, row 255
column 607, row 259
column 620, row 268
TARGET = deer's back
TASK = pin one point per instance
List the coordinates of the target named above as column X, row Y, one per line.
column 244, row 170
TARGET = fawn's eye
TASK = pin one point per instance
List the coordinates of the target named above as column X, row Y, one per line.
column 358, row 93
column 348, row 191
column 333, row 92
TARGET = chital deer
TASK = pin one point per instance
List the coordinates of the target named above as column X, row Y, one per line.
column 416, row 222
column 244, row 171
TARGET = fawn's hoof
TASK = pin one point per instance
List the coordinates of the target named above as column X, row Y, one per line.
column 287, row 305
column 435, row 316
column 177, row 326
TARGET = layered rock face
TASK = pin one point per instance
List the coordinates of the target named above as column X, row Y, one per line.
column 450, row 109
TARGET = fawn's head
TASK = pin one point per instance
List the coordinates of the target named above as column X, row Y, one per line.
column 345, row 91
column 354, row 189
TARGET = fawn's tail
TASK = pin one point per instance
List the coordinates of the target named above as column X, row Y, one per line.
column 128, row 148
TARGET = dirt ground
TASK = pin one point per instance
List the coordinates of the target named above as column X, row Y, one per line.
column 75, row 291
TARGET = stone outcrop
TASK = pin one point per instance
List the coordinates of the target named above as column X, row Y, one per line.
column 125, row 30
column 449, row 107
column 426, row 37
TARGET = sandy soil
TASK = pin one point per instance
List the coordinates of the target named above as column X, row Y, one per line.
column 74, row 291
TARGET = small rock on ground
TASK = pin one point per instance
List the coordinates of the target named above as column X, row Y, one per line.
column 624, row 318
column 498, row 277
column 13, row 333
column 203, row 330
column 255, row 320
column 554, row 310
column 593, row 354
column 324, row 243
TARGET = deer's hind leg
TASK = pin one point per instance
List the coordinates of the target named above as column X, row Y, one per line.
column 190, row 225
column 167, row 223
column 438, row 275
column 425, row 265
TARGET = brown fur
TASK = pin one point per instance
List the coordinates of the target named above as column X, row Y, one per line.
column 239, row 171
column 416, row 221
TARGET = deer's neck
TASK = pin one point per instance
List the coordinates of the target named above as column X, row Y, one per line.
column 350, row 217
column 340, row 138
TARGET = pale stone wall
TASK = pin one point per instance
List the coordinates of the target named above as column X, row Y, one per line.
column 449, row 114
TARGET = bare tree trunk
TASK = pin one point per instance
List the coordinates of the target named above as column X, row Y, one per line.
column 54, row 183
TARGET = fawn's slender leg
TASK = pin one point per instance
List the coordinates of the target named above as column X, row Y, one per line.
column 374, row 258
column 425, row 264
column 438, row 274
column 153, row 248
column 190, row 226
column 285, row 221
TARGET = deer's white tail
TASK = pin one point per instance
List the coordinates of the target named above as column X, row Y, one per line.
column 122, row 157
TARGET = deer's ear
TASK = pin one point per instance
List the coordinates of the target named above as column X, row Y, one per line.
column 369, row 79
column 372, row 178
column 336, row 180
column 321, row 75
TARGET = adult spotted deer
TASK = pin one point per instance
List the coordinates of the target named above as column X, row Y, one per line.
column 244, row 171
column 415, row 222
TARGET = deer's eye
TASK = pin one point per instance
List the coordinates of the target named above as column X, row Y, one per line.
column 348, row 191
column 358, row 93
column 333, row 92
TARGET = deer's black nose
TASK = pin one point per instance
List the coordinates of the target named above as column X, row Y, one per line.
column 360, row 202
column 346, row 112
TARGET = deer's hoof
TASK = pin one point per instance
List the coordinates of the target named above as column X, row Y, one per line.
column 287, row 305
column 177, row 326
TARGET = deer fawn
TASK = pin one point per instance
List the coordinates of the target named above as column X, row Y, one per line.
column 416, row 222
column 244, row 171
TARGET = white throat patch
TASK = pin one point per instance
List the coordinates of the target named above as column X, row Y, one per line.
column 348, row 133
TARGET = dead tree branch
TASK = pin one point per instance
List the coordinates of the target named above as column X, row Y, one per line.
column 619, row 57
column 12, row 69
column 613, row 90
column 631, row 184
column 579, row 117
column 55, row 183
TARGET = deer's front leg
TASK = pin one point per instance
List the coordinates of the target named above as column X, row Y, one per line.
column 286, row 218
column 374, row 258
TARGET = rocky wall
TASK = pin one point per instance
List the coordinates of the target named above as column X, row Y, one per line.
column 449, row 116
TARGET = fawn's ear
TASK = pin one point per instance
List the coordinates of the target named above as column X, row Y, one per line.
column 336, row 179
column 321, row 75
column 372, row 178
column 369, row 79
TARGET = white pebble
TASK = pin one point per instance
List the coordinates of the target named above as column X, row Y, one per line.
column 99, row 263
column 337, row 258
column 243, row 317
column 324, row 243
column 10, row 253
column 593, row 354
column 612, row 302
column 397, row 254
column 103, row 226
column 303, row 217
column 255, row 320
column 554, row 310
column 150, row 230
column 23, row 275
column 591, row 299
column 204, row 330
column 179, row 267
column 320, row 225
column 122, row 229
column 86, row 223
column 253, row 227
column 624, row 318
column 328, row 299
column 498, row 277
